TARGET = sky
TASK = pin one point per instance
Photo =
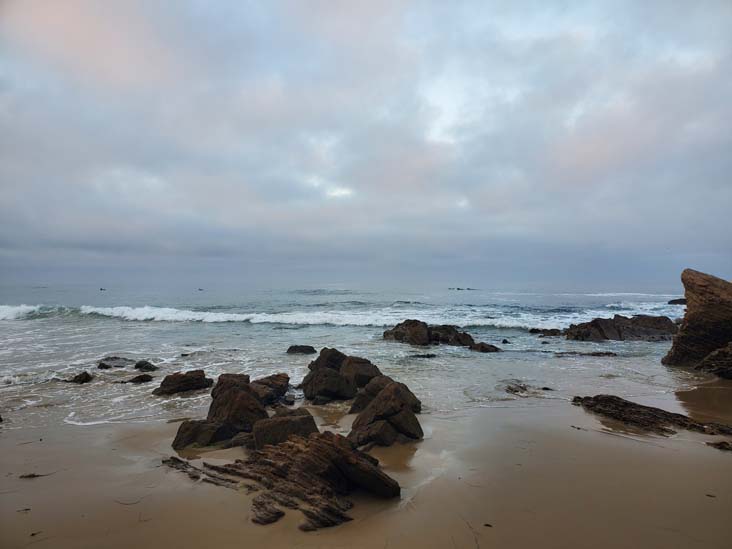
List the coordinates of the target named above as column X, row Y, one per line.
column 566, row 145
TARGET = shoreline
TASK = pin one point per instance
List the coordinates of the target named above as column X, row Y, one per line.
column 551, row 474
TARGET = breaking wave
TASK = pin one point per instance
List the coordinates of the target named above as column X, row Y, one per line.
column 14, row 312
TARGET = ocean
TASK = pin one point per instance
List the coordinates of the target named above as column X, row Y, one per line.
column 49, row 333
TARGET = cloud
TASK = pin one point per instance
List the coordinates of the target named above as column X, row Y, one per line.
column 481, row 136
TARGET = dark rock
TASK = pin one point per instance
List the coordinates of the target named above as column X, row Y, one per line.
column 424, row 355
column 114, row 362
column 238, row 408
column 226, row 381
column 484, row 348
column 202, row 433
column 546, row 332
column 180, row 382
column 142, row 378
column 312, row 474
column 718, row 362
column 288, row 399
column 301, row 350
column 328, row 358
column 329, row 383
column 506, row 342
column 680, row 301
column 276, row 430
column 392, row 404
column 359, row 370
column 374, row 387
column 83, row 377
column 517, row 388
column 289, row 412
column 707, row 324
column 546, row 342
column 721, row 445
column 241, row 440
column 637, row 328
column 647, row 418
column 321, row 400
column 271, row 388
column 450, row 335
column 145, row 366
column 414, row 332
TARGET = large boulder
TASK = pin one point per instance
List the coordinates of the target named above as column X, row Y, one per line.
column 226, row 381
column 328, row 358
column 718, row 362
column 193, row 432
column 707, row 324
column 301, row 350
column 181, row 382
column 359, row 370
column 114, row 362
column 374, row 387
column 276, row 430
column 637, row 328
column 393, row 404
column 328, row 383
column 414, row 332
column 238, row 408
column 271, row 388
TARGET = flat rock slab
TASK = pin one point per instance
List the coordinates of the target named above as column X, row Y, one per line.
column 647, row 418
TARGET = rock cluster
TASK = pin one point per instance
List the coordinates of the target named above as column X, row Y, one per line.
column 647, row 418
column 706, row 331
column 313, row 474
column 416, row 332
column 637, row 328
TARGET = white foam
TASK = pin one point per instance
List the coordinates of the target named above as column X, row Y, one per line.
column 14, row 312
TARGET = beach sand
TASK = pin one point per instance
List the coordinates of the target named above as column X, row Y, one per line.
column 544, row 475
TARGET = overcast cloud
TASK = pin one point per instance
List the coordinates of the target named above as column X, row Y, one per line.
column 494, row 144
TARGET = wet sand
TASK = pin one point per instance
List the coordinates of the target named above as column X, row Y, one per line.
column 548, row 476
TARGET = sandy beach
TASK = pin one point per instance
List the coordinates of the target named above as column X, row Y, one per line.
column 553, row 476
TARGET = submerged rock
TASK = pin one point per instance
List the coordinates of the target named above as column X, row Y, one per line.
column 484, row 348
column 181, row 382
column 546, row 332
column 647, row 418
column 424, row 355
column 312, row 474
column 301, row 350
column 145, row 366
column 592, row 353
column 707, row 324
column 83, row 377
column 394, row 404
column 114, row 362
column 680, row 301
column 142, row 378
column 620, row 328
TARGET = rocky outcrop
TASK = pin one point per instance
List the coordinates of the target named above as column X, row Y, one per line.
column 227, row 381
column 680, row 301
column 278, row 429
column 145, row 366
column 83, row 377
column 301, row 350
column 646, row 418
column 114, row 362
column 718, row 362
column 270, row 389
column 374, row 387
column 619, row 328
column 359, row 370
column 238, row 408
column 328, row 358
column 416, row 332
column 313, row 475
column 181, row 382
column 199, row 433
column 328, row 383
column 707, row 324
column 389, row 415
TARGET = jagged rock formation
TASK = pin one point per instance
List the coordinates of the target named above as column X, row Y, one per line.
column 637, row 328
column 647, row 418
column 278, row 429
column 416, row 332
column 313, row 475
column 707, row 324
column 181, row 382
column 336, row 376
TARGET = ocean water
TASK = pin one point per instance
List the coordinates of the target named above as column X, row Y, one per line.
column 49, row 333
